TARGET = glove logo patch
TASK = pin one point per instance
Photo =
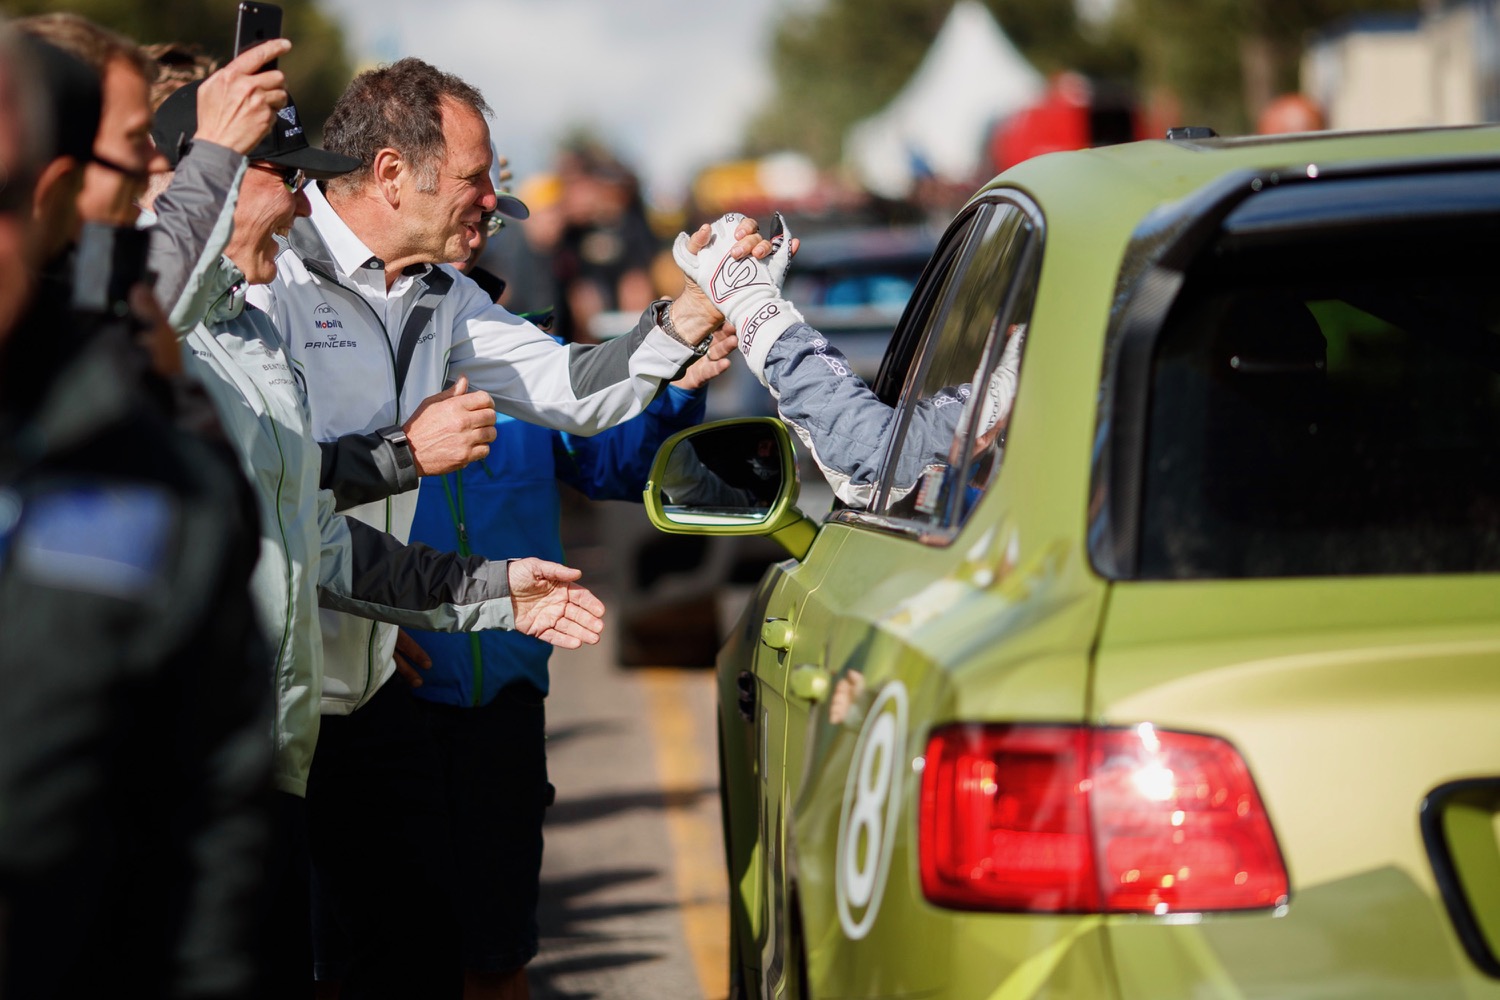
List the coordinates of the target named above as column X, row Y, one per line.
column 747, row 335
column 733, row 276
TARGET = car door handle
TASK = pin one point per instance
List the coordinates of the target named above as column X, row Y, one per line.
column 810, row 683
column 776, row 633
column 745, row 695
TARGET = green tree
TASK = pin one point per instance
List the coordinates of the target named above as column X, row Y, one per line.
column 317, row 70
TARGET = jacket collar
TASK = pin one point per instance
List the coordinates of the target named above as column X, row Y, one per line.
column 326, row 244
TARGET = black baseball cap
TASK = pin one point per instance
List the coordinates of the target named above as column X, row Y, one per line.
column 285, row 145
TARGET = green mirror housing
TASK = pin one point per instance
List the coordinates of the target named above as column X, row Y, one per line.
column 729, row 477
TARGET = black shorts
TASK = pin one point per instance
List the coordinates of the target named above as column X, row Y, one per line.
column 494, row 758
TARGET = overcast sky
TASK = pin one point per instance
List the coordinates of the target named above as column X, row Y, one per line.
column 669, row 83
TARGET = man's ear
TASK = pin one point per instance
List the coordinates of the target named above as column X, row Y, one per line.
column 390, row 173
column 54, row 202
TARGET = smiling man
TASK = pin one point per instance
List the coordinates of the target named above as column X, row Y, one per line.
column 378, row 321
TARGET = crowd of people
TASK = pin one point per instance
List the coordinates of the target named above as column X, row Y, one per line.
column 261, row 410
column 214, row 417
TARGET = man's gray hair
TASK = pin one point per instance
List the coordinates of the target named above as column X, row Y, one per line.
column 398, row 107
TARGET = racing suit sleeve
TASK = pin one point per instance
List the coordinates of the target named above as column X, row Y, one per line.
column 578, row 388
column 366, row 572
column 615, row 464
column 845, row 426
column 195, row 217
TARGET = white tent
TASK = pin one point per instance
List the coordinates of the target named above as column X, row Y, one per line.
column 971, row 77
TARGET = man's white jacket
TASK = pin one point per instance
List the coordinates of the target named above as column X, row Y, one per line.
column 368, row 365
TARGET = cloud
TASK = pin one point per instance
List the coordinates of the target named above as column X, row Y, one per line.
column 670, row 84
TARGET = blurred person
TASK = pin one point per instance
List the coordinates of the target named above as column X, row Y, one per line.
column 524, row 255
column 1290, row 113
column 376, row 319
column 507, row 206
column 123, row 156
column 70, row 90
column 133, row 757
column 486, row 691
column 604, row 255
column 177, row 65
column 309, row 554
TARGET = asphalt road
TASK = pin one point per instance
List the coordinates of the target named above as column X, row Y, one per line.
column 633, row 885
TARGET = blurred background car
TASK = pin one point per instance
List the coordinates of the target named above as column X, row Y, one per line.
column 675, row 593
column 1184, row 685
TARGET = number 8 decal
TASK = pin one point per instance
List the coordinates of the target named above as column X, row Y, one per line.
column 872, row 798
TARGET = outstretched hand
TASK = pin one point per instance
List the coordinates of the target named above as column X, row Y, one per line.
column 714, row 257
column 693, row 315
column 744, row 286
column 551, row 606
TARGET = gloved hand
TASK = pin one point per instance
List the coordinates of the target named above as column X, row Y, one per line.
column 1000, row 391
column 747, row 291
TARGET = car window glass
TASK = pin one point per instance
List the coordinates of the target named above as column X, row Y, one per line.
column 927, row 473
column 1329, row 404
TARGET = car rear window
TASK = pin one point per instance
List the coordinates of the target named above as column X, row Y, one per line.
column 1326, row 400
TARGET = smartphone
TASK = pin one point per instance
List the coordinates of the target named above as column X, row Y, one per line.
column 110, row 261
column 258, row 22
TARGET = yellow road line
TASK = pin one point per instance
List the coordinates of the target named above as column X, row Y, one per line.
column 681, row 707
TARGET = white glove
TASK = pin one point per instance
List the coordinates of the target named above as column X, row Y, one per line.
column 1000, row 392
column 747, row 291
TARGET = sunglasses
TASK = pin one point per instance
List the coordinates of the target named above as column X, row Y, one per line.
column 139, row 176
column 293, row 177
column 491, row 223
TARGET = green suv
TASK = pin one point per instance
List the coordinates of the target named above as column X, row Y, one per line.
column 1189, row 684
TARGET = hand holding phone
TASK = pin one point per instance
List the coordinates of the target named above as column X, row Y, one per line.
column 258, row 22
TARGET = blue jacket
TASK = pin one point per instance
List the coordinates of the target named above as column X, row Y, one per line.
column 509, row 507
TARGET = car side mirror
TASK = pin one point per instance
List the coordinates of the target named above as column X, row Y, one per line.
column 729, row 477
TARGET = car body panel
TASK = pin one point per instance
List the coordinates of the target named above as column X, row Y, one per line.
column 1328, row 687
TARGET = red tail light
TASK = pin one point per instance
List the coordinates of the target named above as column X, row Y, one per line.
column 1069, row 819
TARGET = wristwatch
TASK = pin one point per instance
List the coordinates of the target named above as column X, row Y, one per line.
column 664, row 320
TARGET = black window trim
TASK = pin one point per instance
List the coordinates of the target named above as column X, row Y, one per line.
column 1155, row 264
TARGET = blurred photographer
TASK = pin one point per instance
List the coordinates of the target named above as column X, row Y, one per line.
column 133, row 758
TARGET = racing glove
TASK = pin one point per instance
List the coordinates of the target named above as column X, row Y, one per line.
column 747, row 291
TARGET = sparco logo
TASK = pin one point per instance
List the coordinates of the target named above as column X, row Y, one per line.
column 747, row 335
column 732, row 276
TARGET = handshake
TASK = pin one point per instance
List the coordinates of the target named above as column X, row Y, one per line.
column 744, row 287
